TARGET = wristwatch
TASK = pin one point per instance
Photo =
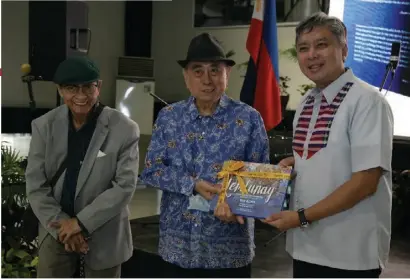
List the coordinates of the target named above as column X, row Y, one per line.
column 304, row 223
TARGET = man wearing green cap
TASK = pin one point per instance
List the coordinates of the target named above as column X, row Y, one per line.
column 95, row 149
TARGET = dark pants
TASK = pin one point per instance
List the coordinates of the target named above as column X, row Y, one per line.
column 55, row 262
column 174, row 271
column 308, row 270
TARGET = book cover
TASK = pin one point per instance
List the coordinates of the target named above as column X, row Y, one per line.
column 253, row 189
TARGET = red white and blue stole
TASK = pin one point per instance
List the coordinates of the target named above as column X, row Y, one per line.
column 321, row 132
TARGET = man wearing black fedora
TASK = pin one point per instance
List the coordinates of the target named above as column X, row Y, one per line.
column 190, row 142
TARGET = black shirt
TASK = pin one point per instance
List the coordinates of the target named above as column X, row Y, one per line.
column 78, row 142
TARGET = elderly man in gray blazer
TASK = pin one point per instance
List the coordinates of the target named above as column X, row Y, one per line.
column 86, row 211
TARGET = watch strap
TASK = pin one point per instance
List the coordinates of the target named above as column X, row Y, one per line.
column 302, row 218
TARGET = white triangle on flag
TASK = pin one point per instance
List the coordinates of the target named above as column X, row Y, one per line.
column 258, row 8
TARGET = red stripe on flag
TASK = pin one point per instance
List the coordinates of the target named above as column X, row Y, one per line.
column 267, row 94
column 253, row 42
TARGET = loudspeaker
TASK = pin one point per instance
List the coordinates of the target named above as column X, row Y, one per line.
column 138, row 28
column 57, row 30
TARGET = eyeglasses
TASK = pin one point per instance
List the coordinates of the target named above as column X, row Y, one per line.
column 87, row 89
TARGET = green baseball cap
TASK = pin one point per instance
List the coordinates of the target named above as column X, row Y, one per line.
column 76, row 70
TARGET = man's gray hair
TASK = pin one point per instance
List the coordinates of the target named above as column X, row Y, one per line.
column 335, row 25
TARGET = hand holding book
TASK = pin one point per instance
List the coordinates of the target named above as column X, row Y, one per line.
column 224, row 213
column 283, row 220
column 287, row 162
column 252, row 189
column 206, row 190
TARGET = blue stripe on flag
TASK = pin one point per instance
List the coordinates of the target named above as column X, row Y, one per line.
column 270, row 34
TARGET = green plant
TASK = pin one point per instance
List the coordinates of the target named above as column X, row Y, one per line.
column 243, row 65
column 290, row 53
column 305, row 88
column 230, row 53
column 19, row 245
column 17, row 263
column 283, row 85
column 12, row 175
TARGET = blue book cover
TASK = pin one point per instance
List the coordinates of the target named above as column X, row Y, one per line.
column 266, row 187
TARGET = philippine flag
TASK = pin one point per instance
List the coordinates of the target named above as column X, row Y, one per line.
column 260, row 88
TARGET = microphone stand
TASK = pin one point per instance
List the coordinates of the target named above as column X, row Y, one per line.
column 158, row 98
column 29, row 79
column 389, row 67
column 147, row 88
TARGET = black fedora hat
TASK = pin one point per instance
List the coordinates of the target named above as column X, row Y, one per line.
column 205, row 47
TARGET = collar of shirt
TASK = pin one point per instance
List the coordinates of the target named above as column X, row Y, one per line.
column 333, row 89
column 91, row 117
column 222, row 105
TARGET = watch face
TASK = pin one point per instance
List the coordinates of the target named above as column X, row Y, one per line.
column 305, row 225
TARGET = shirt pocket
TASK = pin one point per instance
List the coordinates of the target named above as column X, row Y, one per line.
column 103, row 171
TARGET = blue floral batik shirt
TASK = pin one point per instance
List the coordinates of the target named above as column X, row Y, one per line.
column 185, row 147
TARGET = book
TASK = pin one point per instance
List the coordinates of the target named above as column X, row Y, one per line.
column 253, row 189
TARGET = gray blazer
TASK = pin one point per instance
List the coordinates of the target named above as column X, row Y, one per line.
column 105, row 186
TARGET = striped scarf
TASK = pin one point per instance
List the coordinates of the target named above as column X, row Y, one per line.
column 320, row 134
